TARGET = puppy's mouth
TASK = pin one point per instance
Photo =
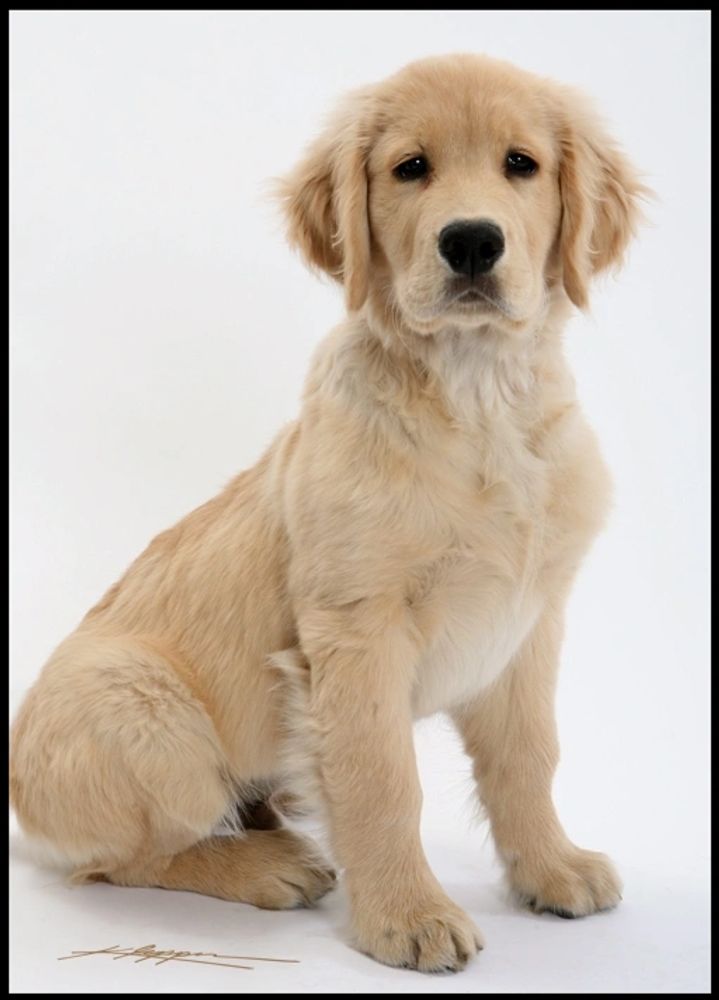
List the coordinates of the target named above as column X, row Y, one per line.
column 464, row 302
column 480, row 295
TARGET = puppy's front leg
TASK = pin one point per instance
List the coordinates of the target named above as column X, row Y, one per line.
column 362, row 661
column 510, row 733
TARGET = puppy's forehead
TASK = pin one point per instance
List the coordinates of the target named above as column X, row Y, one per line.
column 464, row 100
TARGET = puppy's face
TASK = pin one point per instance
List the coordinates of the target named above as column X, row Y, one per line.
column 464, row 199
column 460, row 193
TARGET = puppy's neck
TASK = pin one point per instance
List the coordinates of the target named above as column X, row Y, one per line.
column 479, row 373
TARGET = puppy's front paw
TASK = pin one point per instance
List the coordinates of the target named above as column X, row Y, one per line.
column 433, row 936
column 576, row 884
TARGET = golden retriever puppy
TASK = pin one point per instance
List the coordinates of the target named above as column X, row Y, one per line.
column 405, row 547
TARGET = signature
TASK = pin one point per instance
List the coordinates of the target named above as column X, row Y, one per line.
column 150, row 952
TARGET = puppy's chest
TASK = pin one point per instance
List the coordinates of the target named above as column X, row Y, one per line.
column 478, row 601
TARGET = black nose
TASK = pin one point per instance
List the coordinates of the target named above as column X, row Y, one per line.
column 471, row 248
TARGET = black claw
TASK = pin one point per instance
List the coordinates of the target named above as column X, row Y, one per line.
column 558, row 912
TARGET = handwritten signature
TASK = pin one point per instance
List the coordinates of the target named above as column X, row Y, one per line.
column 149, row 952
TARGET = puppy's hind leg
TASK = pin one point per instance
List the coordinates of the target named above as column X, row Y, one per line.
column 114, row 757
column 272, row 869
column 117, row 766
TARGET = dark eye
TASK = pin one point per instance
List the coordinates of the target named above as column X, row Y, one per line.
column 412, row 169
column 520, row 164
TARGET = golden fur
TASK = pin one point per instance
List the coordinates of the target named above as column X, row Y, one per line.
column 405, row 547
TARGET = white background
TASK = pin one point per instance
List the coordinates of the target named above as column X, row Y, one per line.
column 161, row 330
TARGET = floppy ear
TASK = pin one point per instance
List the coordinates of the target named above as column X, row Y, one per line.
column 325, row 201
column 600, row 211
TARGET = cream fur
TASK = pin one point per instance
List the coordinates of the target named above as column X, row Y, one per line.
column 405, row 547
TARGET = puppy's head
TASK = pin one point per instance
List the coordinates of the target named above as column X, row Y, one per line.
column 460, row 193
